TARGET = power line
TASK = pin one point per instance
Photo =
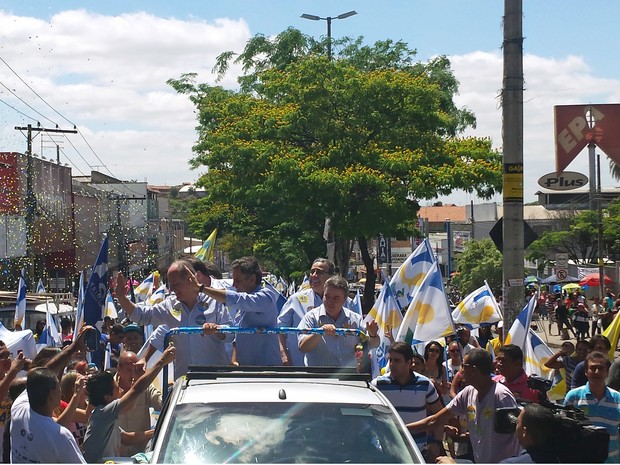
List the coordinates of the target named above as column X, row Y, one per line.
column 25, row 103
column 35, row 93
column 20, row 112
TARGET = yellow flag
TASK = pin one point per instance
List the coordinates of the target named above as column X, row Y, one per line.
column 206, row 251
column 613, row 333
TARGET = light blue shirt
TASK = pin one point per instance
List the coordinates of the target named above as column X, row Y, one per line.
column 604, row 412
column 255, row 309
column 336, row 351
column 291, row 315
column 191, row 349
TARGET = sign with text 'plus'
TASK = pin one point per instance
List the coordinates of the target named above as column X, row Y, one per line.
column 578, row 125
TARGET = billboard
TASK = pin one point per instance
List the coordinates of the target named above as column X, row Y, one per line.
column 578, row 125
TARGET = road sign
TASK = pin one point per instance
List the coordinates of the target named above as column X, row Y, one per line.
column 561, row 260
column 561, row 274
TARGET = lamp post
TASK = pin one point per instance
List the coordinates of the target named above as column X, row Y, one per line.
column 329, row 26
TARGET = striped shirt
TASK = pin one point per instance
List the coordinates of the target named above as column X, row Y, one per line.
column 409, row 400
column 604, row 412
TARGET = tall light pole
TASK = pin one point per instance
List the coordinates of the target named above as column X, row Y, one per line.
column 329, row 26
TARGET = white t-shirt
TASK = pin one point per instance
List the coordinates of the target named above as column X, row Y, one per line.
column 36, row 438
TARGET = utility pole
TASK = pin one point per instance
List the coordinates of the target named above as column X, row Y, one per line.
column 31, row 199
column 512, row 129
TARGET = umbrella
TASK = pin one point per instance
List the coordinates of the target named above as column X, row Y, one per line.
column 554, row 279
column 531, row 280
column 592, row 279
column 571, row 287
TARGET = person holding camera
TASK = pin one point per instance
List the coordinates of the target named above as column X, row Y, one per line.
column 536, row 426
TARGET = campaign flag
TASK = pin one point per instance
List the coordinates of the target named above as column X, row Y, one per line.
column 535, row 354
column 428, row 316
column 305, row 284
column 79, row 310
column 409, row 276
column 157, row 296
column 519, row 330
column 357, row 303
column 97, row 288
column 205, row 253
column 144, row 289
column 20, row 306
column 281, row 299
column 107, row 359
column 110, row 308
column 281, row 286
column 613, row 333
column 386, row 313
column 50, row 335
column 478, row 307
column 40, row 287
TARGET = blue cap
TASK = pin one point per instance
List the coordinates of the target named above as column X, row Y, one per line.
column 133, row 327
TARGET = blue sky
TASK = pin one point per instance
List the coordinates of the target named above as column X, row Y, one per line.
column 103, row 65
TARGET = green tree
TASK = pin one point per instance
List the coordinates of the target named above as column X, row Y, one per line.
column 479, row 261
column 358, row 140
column 574, row 233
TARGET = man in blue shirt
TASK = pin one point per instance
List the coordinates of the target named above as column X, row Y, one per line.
column 413, row 395
column 301, row 303
column 328, row 349
column 254, row 307
column 599, row 403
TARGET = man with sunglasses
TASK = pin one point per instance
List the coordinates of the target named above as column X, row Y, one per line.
column 477, row 403
column 299, row 304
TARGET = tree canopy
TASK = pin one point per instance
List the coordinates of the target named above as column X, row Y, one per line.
column 479, row 261
column 359, row 140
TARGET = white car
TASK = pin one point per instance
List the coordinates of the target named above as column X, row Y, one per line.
column 279, row 415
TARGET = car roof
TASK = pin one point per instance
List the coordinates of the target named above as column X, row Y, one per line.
column 277, row 384
column 280, row 390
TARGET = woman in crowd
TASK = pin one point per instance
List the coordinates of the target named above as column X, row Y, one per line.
column 433, row 356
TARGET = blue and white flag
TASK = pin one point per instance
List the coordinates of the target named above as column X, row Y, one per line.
column 145, row 289
column 97, row 288
column 429, row 316
column 409, row 276
column 20, row 305
column 158, row 296
column 386, row 313
column 79, row 309
column 519, row 329
column 50, row 335
column 40, row 287
column 107, row 359
column 110, row 307
column 281, row 299
column 357, row 303
column 478, row 307
column 305, row 284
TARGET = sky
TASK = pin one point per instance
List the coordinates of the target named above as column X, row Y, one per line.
column 103, row 65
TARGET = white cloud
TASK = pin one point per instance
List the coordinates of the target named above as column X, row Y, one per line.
column 108, row 74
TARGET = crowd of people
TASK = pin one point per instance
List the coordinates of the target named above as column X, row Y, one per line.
column 68, row 410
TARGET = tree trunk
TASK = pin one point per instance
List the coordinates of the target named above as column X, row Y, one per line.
column 371, row 277
column 342, row 255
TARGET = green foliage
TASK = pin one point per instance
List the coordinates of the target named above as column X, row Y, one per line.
column 358, row 140
column 574, row 233
column 479, row 261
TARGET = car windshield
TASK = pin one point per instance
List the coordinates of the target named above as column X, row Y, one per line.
column 284, row 433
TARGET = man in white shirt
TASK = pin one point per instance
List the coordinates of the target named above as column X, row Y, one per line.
column 35, row 436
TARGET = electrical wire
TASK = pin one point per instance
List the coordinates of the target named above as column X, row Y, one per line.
column 28, row 105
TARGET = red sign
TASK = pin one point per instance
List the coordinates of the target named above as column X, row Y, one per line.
column 578, row 125
column 9, row 182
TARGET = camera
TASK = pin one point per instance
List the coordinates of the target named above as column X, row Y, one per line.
column 91, row 339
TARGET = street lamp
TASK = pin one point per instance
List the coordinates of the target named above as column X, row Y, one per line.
column 329, row 27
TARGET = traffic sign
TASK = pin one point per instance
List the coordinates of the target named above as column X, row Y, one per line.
column 561, row 274
column 561, row 260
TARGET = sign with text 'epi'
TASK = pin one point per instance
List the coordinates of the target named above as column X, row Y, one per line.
column 578, row 125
